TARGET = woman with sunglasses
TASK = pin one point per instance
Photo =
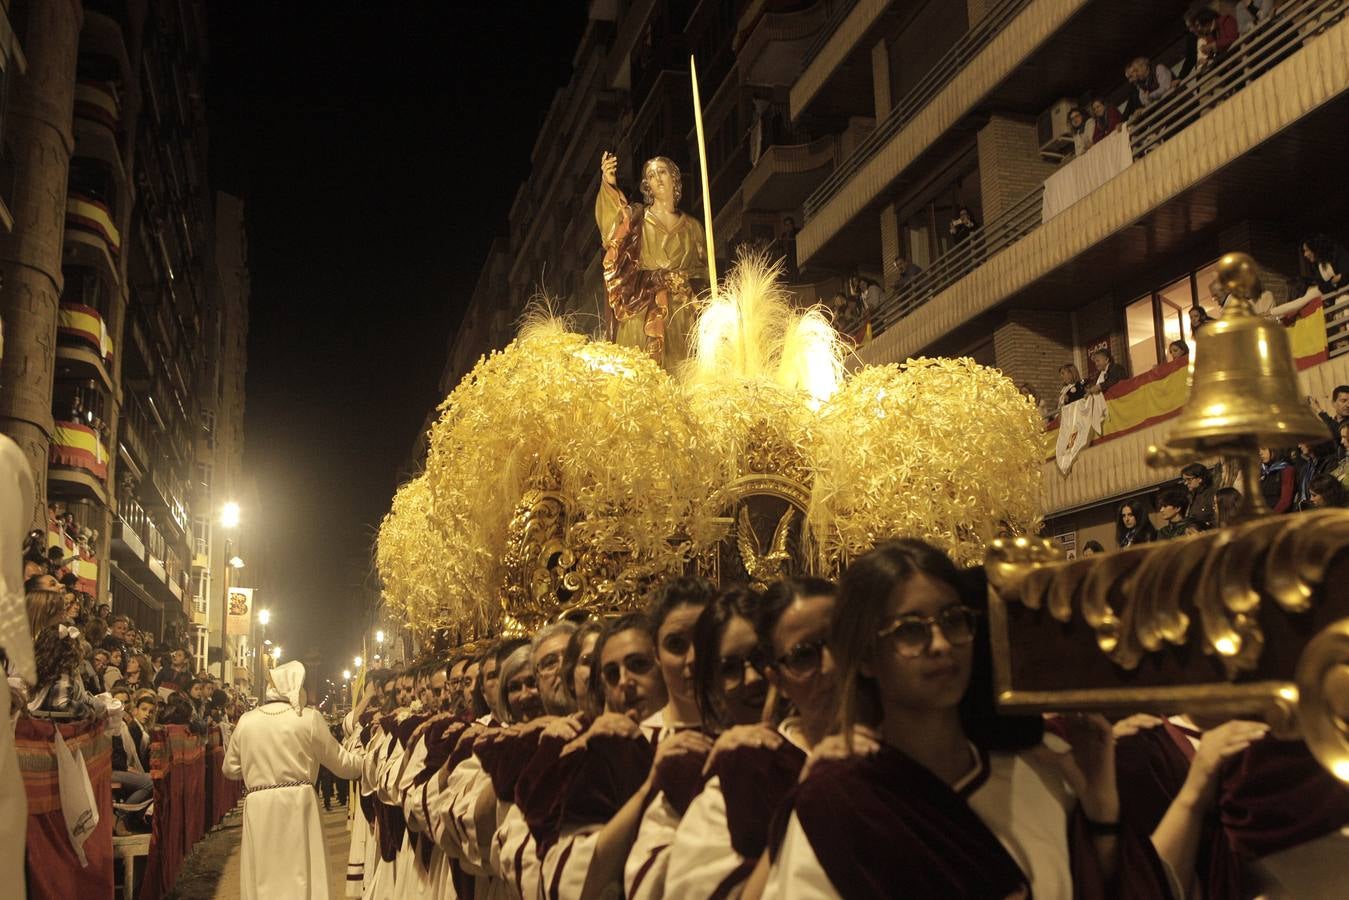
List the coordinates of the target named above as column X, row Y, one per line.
column 753, row 765
column 730, row 691
column 607, row 774
column 978, row 804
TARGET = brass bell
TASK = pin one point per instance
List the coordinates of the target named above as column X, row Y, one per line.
column 1243, row 381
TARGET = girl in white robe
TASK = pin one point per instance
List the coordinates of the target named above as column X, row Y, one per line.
column 277, row 750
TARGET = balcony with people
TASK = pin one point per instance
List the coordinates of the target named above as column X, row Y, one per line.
column 1242, row 115
column 77, row 460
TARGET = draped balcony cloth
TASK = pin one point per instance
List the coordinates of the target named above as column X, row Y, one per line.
column 177, row 765
column 76, row 446
column 53, row 868
column 1161, row 392
column 1078, row 178
column 84, row 323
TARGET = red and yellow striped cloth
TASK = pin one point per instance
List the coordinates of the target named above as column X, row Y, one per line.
column 84, row 323
column 92, row 216
column 76, row 446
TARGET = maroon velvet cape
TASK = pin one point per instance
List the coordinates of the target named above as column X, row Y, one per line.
column 883, row 825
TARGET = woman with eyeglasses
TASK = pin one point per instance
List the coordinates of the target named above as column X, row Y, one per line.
column 731, row 692
column 952, row 799
column 754, row 765
column 607, row 774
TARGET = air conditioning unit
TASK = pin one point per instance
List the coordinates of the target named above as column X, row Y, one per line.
column 1054, row 132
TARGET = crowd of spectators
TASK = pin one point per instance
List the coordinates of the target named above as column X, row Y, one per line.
column 92, row 664
column 1312, row 475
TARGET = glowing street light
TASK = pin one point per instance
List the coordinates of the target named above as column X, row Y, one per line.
column 357, row 661
column 264, row 616
column 229, row 515
column 379, row 637
column 236, row 562
column 276, row 653
column 346, row 674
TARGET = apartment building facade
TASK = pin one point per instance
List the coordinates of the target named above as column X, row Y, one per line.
column 846, row 136
column 124, row 355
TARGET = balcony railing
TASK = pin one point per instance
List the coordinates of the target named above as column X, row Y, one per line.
column 836, row 17
column 97, row 101
column 1337, row 322
column 1253, row 55
column 952, row 62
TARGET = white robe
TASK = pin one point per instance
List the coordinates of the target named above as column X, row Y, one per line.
column 283, row 855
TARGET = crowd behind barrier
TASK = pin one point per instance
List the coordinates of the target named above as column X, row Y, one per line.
column 191, row 796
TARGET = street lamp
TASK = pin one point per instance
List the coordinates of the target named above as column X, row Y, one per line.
column 276, row 654
column 229, row 515
column 357, row 661
column 346, row 674
column 264, row 616
column 379, row 637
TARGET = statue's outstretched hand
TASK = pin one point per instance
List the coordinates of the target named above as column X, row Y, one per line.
column 609, row 168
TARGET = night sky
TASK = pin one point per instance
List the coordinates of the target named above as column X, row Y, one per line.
column 378, row 147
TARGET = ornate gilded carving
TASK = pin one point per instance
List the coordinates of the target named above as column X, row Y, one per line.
column 1323, row 697
column 767, row 453
column 762, row 567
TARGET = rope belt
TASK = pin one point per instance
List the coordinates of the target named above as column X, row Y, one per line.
column 280, row 784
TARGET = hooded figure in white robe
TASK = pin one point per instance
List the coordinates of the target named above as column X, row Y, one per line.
column 277, row 750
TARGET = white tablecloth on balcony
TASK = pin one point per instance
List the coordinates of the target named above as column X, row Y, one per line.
column 1087, row 172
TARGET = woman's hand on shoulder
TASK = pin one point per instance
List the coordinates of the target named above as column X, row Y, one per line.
column 568, row 728
column 865, row 742
column 734, row 738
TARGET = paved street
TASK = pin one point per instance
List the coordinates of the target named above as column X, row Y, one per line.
column 212, row 872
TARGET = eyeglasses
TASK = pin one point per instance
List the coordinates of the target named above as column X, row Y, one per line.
column 524, row 683
column 549, row 663
column 913, row 634
column 638, row 664
column 732, row 668
column 803, row 659
column 676, row 644
column 458, row 684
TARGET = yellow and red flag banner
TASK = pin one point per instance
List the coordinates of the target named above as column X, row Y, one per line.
column 84, row 323
column 76, row 446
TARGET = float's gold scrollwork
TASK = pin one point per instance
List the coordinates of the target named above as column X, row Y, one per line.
column 1323, row 697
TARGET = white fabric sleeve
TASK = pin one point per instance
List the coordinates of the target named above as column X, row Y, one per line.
column 331, row 755
column 797, row 873
column 644, row 870
column 701, row 857
column 232, row 767
column 564, row 868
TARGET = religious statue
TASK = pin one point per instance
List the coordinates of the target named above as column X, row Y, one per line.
column 655, row 261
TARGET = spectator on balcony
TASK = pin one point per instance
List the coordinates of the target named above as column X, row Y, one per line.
column 1197, row 480
column 1339, row 401
column 1199, row 317
column 1151, row 82
column 1177, row 350
column 870, row 293
column 787, row 240
column 1214, row 34
column 1325, row 263
column 1109, row 372
column 1073, row 389
column 1278, row 478
column 1091, row 548
column 1105, row 118
column 177, row 675
column 1250, row 13
column 1133, row 524
column 963, row 225
column 1327, row 493
column 1081, row 134
column 1171, row 503
column 905, row 271
column 1227, row 500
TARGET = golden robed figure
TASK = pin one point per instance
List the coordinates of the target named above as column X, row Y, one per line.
column 655, row 261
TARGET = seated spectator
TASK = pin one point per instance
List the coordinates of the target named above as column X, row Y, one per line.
column 1073, row 389
column 1151, row 82
column 118, row 628
column 1227, row 501
column 59, row 688
column 1091, row 548
column 1341, row 470
column 1250, row 13
column 1177, row 350
column 1277, row 479
column 131, row 780
column 177, row 710
column 1109, row 372
column 1077, row 121
column 963, row 225
column 113, row 674
column 1214, row 32
column 1197, row 480
column 177, row 674
column 1325, row 263
column 1171, row 503
column 138, row 670
column 1326, row 492
column 1105, row 117
column 1133, row 524
column 98, row 664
